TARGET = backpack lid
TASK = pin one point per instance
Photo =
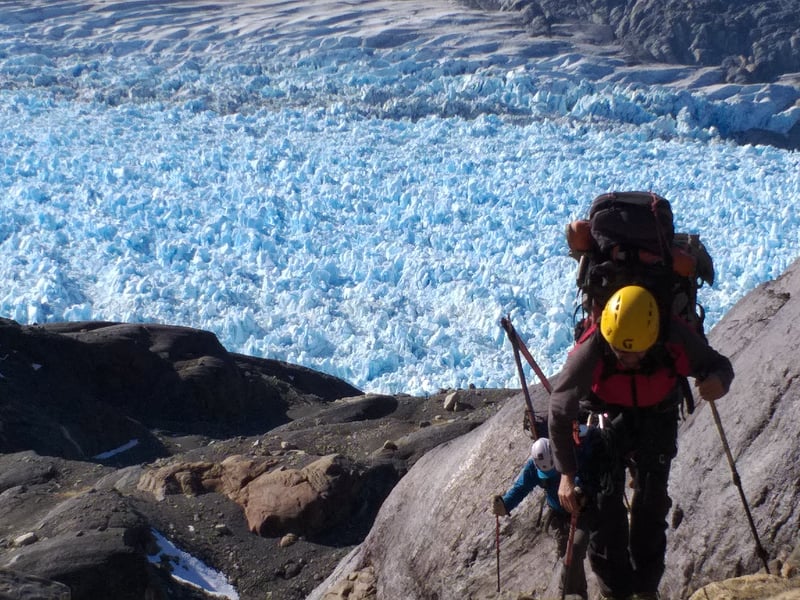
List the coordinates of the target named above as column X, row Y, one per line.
column 633, row 220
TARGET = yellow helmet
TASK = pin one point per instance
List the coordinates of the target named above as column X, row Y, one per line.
column 630, row 319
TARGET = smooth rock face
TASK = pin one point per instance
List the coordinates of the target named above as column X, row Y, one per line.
column 434, row 535
column 761, row 335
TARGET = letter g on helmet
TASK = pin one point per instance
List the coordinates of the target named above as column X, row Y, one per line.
column 630, row 319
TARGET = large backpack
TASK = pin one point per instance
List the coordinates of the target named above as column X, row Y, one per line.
column 629, row 239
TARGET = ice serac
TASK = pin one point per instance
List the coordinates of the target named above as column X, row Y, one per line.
column 435, row 536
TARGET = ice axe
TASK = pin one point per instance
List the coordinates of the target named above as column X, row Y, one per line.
column 519, row 347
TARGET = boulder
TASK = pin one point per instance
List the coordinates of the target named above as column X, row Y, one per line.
column 95, row 511
column 230, row 477
column 356, row 586
column 302, row 501
column 106, row 391
column 95, row 564
column 750, row 587
column 305, row 501
column 27, row 469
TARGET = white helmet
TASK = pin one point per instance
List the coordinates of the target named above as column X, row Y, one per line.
column 541, row 455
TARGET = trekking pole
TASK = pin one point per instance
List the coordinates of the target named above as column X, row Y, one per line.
column 541, row 511
column 512, row 336
column 497, row 546
column 539, row 373
column 573, row 525
column 520, row 345
column 762, row 554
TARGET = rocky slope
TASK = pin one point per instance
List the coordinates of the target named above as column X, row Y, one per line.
column 266, row 471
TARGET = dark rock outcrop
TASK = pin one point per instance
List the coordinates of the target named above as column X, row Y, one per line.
column 28, row 587
column 78, row 390
column 96, row 564
column 90, row 526
column 751, row 41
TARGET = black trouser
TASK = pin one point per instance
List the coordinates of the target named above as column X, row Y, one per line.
column 629, row 560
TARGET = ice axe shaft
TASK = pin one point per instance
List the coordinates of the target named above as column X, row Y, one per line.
column 515, row 344
column 762, row 554
column 520, row 346
column 539, row 373
column 573, row 523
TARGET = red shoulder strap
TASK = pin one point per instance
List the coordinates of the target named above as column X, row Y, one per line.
column 587, row 333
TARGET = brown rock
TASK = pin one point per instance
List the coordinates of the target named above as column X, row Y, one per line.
column 300, row 501
column 179, row 478
column 359, row 585
column 229, row 477
column 750, row 587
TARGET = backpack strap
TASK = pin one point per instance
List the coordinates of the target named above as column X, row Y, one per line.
column 688, row 396
column 666, row 250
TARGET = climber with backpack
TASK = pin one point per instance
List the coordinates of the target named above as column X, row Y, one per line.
column 539, row 472
column 639, row 341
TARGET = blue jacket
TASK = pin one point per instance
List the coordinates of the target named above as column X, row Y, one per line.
column 529, row 478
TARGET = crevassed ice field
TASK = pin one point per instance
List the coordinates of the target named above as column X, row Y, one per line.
column 363, row 192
